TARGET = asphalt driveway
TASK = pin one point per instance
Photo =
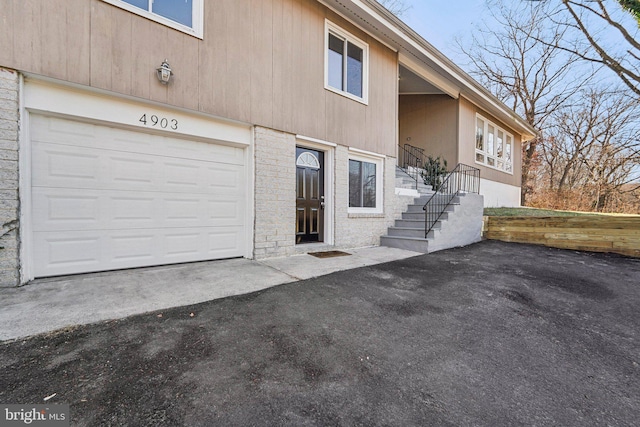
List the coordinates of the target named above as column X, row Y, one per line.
column 492, row 334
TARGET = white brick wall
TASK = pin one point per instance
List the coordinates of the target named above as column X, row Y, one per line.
column 275, row 193
column 9, row 259
column 275, row 200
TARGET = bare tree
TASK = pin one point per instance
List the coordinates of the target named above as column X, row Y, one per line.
column 601, row 34
column 591, row 160
column 397, row 7
column 623, row 62
column 515, row 55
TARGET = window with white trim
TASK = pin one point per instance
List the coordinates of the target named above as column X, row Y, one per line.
column 346, row 64
column 494, row 146
column 365, row 184
column 183, row 15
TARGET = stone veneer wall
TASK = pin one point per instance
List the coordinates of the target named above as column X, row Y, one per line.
column 9, row 255
column 275, row 193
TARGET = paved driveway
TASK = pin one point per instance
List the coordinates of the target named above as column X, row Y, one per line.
column 493, row 334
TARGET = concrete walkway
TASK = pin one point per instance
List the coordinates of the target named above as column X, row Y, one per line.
column 50, row 304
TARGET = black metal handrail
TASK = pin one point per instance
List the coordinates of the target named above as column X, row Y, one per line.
column 462, row 179
column 411, row 159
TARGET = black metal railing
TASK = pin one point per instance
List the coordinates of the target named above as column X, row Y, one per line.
column 463, row 179
column 411, row 159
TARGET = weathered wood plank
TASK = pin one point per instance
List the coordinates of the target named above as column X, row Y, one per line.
column 262, row 62
column 54, row 39
column 7, row 21
column 590, row 233
column 79, row 39
column 101, row 52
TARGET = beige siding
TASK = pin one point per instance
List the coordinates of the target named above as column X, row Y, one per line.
column 431, row 122
column 260, row 61
column 467, row 145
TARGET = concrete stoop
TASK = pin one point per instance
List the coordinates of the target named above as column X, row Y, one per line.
column 406, row 181
column 459, row 225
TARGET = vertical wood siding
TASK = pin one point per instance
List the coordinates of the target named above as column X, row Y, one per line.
column 260, row 61
column 431, row 121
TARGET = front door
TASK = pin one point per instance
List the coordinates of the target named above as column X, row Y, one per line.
column 309, row 195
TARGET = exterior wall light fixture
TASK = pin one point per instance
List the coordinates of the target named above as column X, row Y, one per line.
column 164, row 72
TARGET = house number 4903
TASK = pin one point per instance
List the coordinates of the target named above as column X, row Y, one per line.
column 161, row 122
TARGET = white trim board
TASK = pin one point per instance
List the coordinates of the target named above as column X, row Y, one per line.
column 44, row 97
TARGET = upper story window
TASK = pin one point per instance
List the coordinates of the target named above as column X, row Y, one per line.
column 494, row 146
column 183, row 15
column 346, row 64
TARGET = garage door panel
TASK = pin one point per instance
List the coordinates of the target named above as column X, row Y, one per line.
column 57, row 209
column 203, row 150
column 182, row 176
column 223, row 242
column 73, row 209
column 58, row 253
column 65, row 165
column 136, row 172
column 222, row 177
column 130, row 212
column 138, row 248
column 85, row 135
column 183, row 243
column 83, row 168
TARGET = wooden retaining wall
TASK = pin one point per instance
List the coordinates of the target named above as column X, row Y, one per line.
column 585, row 233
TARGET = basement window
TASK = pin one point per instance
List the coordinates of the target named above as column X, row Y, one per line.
column 365, row 184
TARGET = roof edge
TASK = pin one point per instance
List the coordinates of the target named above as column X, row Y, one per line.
column 448, row 67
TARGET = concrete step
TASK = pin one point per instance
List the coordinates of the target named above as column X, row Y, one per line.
column 412, row 223
column 405, row 178
column 401, row 182
column 405, row 183
column 414, row 232
column 420, row 215
column 420, row 208
column 400, row 174
column 422, row 200
column 406, row 243
column 406, row 232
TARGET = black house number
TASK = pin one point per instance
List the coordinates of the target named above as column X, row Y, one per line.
column 161, row 122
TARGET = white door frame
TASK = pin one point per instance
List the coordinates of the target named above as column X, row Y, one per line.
column 328, row 148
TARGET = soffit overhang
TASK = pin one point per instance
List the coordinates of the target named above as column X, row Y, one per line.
column 424, row 60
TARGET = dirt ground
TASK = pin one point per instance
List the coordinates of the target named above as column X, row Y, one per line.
column 492, row 334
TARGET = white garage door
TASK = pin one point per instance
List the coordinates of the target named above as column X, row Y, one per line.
column 105, row 198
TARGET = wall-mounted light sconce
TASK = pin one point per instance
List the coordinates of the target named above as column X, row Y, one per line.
column 164, row 72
